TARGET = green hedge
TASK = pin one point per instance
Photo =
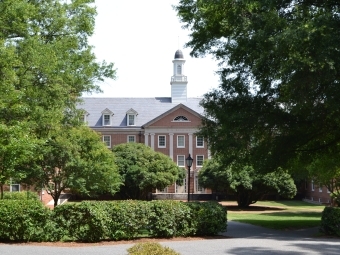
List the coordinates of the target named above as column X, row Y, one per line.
column 86, row 221
column 330, row 221
column 24, row 220
column 128, row 219
column 210, row 217
column 22, row 195
column 171, row 218
column 95, row 221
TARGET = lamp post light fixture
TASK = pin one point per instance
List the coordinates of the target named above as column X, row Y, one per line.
column 189, row 160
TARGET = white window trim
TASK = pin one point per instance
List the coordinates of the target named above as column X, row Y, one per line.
column 15, row 190
column 104, row 120
column 312, row 185
column 183, row 160
column 198, row 188
column 128, row 138
column 128, row 118
column 108, row 146
column 202, row 141
column 197, row 165
column 162, row 146
column 182, row 146
column 320, row 187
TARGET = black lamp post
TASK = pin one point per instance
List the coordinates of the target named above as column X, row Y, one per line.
column 189, row 164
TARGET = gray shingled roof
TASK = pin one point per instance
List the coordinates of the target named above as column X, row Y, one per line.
column 147, row 108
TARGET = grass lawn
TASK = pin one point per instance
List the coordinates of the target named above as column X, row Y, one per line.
column 278, row 215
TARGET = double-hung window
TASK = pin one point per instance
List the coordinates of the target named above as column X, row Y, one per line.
column 131, row 139
column 131, row 116
column 107, row 117
column 107, row 140
column 181, row 160
column 199, row 160
column 199, row 142
column 106, row 120
column 180, row 141
column 161, row 141
column 131, row 120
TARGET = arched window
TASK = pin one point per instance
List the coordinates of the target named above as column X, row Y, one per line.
column 179, row 69
column 181, row 118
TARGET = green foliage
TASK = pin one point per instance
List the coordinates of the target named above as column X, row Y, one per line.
column 24, row 220
column 128, row 218
column 150, row 249
column 29, row 220
column 142, row 170
column 330, row 221
column 277, row 103
column 326, row 171
column 45, row 64
column 245, row 182
column 86, row 221
column 210, row 217
column 22, row 195
column 77, row 159
column 171, row 218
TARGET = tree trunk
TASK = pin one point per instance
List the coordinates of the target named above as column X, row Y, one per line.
column 243, row 199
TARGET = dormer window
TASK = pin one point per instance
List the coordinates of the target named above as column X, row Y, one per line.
column 107, row 120
column 131, row 117
column 181, row 118
column 131, row 120
column 107, row 117
column 83, row 116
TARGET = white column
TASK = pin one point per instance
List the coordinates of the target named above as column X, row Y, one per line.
column 190, row 144
column 171, row 146
column 152, row 140
column 146, row 139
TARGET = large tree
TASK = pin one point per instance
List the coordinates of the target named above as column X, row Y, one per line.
column 76, row 159
column 143, row 170
column 247, row 184
column 278, row 101
column 45, row 66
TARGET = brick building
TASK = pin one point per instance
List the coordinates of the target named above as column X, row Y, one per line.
column 166, row 124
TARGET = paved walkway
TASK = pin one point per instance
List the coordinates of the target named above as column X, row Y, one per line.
column 244, row 239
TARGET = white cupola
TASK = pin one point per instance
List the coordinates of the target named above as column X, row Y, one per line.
column 178, row 80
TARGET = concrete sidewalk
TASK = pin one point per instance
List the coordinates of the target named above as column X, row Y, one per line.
column 241, row 239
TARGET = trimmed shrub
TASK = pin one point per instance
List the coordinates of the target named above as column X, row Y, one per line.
column 210, row 217
column 171, row 218
column 22, row 195
column 151, row 249
column 24, row 220
column 85, row 221
column 330, row 221
column 127, row 218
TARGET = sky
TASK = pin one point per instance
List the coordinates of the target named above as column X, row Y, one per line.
column 141, row 38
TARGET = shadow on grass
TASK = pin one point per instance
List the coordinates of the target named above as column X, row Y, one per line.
column 294, row 214
column 253, row 208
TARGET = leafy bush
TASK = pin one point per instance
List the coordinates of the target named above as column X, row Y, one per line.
column 22, row 195
column 29, row 220
column 24, row 220
column 210, row 217
column 171, row 218
column 127, row 218
column 86, row 221
column 330, row 221
column 151, row 249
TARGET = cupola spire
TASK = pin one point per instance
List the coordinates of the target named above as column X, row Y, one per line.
column 178, row 80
